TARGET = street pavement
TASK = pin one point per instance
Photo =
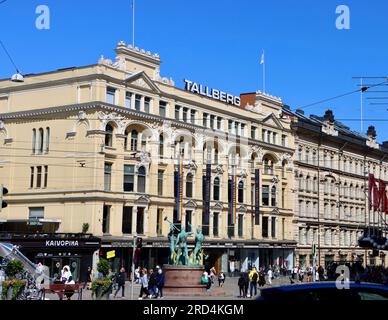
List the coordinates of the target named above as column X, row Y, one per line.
column 229, row 291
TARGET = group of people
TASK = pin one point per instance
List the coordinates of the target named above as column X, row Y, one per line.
column 301, row 274
column 152, row 283
column 210, row 279
column 249, row 280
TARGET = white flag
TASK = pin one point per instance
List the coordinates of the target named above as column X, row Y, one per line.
column 262, row 61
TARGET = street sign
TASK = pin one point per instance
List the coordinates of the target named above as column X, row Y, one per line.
column 110, row 254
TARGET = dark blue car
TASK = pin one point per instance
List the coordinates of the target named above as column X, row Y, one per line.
column 325, row 291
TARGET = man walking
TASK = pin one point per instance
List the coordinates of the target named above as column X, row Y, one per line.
column 270, row 276
column 253, row 277
column 160, row 282
column 120, row 280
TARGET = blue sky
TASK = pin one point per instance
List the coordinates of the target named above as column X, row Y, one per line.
column 218, row 43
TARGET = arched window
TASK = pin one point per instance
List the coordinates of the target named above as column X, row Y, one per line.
column 161, row 145
column 47, row 139
column 241, row 192
column 300, row 153
column 308, row 184
column 108, row 135
column 141, row 180
column 33, row 140
column 216, row 156
column 216, row 189
column 268, row 166
column 181, row 146
column 134, row 137
column 143, row 142
column 189, row 186
column 40, row 143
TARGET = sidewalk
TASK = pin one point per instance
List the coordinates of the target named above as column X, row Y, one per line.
column 230, row 291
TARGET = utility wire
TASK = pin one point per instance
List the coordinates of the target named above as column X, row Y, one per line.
column 9, row 55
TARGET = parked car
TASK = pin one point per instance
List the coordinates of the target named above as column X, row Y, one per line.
column 325, row 291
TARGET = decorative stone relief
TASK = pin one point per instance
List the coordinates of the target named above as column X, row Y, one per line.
column 112, row 117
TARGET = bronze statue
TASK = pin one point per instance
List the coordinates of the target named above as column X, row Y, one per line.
column 181, row 243
column 172, row 238
column 199, row 238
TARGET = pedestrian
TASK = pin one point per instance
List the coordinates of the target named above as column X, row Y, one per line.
column 261, row 278
column 213, row 274
column 160, row 282
column 301, row 275
column 316, row 275
column 120, row 281
column 152, row 284
column 241, row 285
column 246, row 283
column 144, row 284
column 253, row 277
column 221, row 279
column 270, row 276
column 137, row 275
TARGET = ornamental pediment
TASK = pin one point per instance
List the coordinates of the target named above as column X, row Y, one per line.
column 141, row 80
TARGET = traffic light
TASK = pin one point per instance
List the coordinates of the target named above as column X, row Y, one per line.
column 3, row 192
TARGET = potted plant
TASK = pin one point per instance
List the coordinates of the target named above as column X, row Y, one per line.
column 13, row 286
column 85, row 228
column 103, row 284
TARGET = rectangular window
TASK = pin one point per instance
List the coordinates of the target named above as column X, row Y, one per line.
column 274, row 138
column 265, row 196
column 264, row 231
column 253, row 133
column 284, row 140
column 129, row 178
column 177, row 112
column 140, row 221
column 32, row 177
column 192, row 116
column 45, row 177
column 36, row 213
column 39, row 177
column 160, row 182
column 185, row 114
column 128, row 100
column 107, row 176
column 283, row 229
column 110, row 95
column 216, row 216
column 147, row 104
column 204, row 120
column 219, row 122
column 127, row 220
column 240, row 225
column 189, row 218
column 263, row 135
column 273, row 227
column 137, row 102
column 230, row 126
column 159, row 223
column 106, row 219
column 212, row 118
column 162, row 109
column 283, row 195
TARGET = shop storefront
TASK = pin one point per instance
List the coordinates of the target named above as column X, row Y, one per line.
column 78, row 251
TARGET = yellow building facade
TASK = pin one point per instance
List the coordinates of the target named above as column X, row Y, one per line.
column 100, row 145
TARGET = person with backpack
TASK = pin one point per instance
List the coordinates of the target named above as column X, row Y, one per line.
column 241, row 286
column 246, row 283
column 253, row 277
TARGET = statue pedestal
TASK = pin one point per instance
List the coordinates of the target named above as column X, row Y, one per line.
column 183, row 280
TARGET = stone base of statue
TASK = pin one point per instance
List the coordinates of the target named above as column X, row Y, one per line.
column 183, row 280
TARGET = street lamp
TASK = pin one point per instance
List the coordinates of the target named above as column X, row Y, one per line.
column 17, row 77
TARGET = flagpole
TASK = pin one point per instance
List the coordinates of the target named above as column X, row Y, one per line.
column 133, row 23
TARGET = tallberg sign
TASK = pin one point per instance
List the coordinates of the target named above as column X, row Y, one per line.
column 194, row 87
